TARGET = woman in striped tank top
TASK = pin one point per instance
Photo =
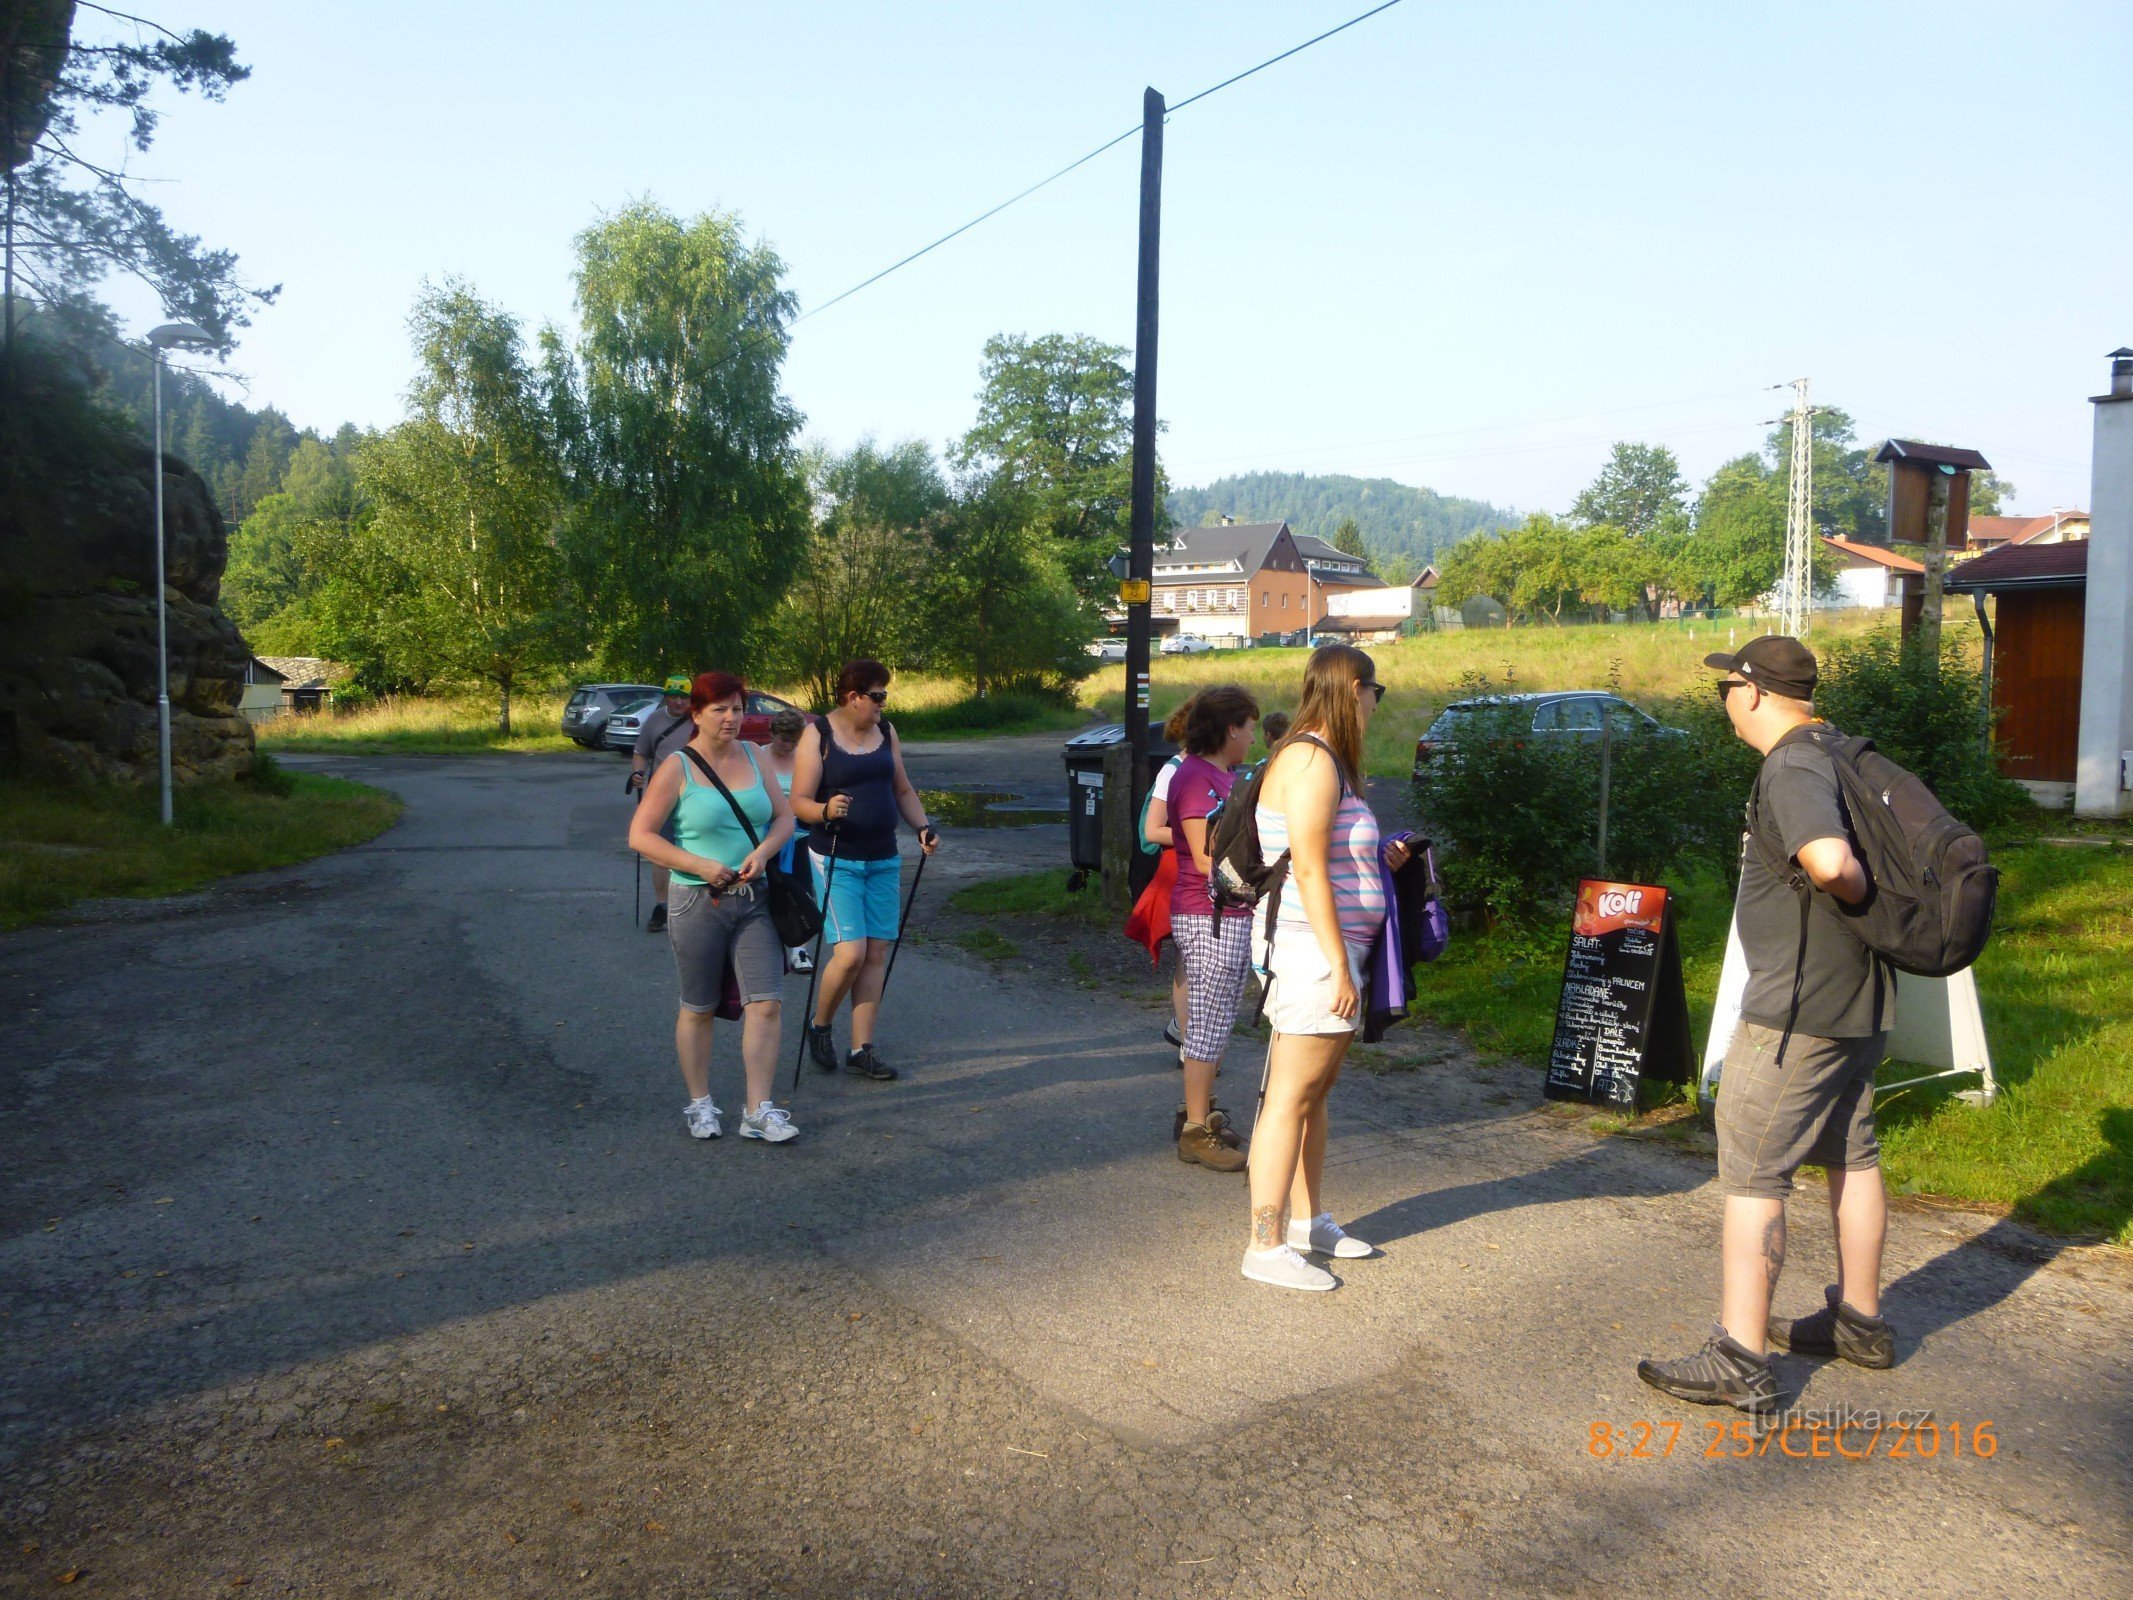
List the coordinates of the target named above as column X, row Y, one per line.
column 1330, row 908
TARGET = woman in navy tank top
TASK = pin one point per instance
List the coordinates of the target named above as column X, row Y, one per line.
column 848, row 776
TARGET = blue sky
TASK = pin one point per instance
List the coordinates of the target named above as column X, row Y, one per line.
column 1462, row 246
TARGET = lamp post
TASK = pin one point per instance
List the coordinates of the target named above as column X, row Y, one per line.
column 171, row 335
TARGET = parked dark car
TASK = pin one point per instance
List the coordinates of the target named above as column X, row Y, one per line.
column 624, row 726
column 591, row 704
column 1569, row 714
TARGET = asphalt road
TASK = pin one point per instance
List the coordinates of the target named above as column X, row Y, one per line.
column 351, row 1245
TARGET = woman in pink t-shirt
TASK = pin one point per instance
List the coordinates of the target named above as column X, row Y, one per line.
column 1215, row 947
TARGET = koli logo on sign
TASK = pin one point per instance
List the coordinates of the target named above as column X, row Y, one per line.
column 1621, row 902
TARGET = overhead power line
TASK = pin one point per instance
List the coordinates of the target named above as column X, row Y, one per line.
column 1082, row 161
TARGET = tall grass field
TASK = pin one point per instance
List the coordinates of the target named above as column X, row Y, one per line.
column 1650, row 663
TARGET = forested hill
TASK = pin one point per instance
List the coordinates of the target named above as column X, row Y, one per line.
column 1396, row 518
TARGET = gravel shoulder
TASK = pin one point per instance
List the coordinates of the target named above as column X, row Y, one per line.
column 350, row 1246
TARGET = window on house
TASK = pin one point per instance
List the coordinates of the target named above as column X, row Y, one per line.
column 1266, row 599
column 1284, row 602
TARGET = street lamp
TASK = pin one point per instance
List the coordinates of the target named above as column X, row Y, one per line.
column 181, row 336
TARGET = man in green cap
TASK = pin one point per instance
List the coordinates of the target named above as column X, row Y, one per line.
column 666, row 729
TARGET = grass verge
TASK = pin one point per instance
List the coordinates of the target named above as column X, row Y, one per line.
column 62, row 845
column 415, row 726
column 991, row 717
column 1030, row 894
column 2056, row 983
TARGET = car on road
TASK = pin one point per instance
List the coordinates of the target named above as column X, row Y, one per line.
column 1112, row 649
column 757, row 710
column 1186, row 644
column 1572, row 714
column 591, row 704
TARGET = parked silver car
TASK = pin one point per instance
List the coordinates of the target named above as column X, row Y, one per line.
column 1563, row 715
column 591, row 704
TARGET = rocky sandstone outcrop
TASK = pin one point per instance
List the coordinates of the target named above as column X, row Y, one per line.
column 77, row 605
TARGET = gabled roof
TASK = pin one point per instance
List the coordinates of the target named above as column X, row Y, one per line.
column 2025, row 566
column 2020, row 530
column 1245, row 543
column 1931, row 455
column 1873, row 553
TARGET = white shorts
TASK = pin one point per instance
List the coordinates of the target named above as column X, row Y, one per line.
column 1300, row 995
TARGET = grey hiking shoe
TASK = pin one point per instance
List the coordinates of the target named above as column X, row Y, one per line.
column 868, row 1065
column 1285, row 1269
column 1723, row 1373
column 1322, row 1234
column 1837, row 1330
column 822, row 1048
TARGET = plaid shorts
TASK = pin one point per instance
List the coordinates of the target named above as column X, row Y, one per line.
column 1216, row 961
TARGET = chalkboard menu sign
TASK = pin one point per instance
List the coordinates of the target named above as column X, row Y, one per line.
column 1623, row 1015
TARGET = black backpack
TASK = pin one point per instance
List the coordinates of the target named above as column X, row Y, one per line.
column 1242, row 875
column 1930, row 911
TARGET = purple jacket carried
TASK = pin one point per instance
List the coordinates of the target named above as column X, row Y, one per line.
column 1417, row 928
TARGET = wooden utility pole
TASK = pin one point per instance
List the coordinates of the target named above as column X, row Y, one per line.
column 1936, row 565
column 1136, row 590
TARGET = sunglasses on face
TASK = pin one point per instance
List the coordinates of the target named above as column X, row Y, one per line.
column 880, row 697
column 1726, row 686
column 1375, row 688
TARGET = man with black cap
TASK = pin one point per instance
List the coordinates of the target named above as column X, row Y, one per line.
column 1797, row 1085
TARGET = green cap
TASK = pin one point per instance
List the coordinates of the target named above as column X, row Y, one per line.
column 679, row 684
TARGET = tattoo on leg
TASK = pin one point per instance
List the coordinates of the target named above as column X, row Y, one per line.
column 1267, row 1227
column 1774, row 1249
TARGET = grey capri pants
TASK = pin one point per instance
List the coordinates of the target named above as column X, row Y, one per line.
column 708, row 930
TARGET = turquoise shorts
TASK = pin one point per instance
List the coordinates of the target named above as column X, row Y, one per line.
column 862, row 903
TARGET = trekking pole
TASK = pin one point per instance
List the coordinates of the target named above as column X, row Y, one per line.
column 637, row 898
column 909, row 899
column 814, row 972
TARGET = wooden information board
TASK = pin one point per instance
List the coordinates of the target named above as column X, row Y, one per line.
column 1623, row 1016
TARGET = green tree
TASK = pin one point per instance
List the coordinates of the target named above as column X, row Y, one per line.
column 867, row 557
column 1055, row 419
column 1001, row 609
column 71, row 222
column 1989, row 494
column 1739, row 545
column 1615, row 571
column 1348, row 539
column 1639, row 491
column 276, row 553
column 691, row 504
column 468, row 495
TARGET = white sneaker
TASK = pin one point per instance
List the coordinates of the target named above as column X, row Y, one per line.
column 703, row 1118
column 1327, row 1237
column 768, row 1123
column 798, row 958
column 1285, row 1269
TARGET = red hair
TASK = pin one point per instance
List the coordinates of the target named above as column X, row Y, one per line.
column 712, row 687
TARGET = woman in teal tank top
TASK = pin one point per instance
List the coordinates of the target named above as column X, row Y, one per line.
column 718, row 915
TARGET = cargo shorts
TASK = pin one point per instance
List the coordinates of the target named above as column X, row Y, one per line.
column 1815, row 1107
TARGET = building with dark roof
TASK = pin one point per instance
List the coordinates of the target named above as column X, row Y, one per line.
column 1234, row 582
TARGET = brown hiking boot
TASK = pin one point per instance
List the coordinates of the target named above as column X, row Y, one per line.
column 1202, row 1142
column 1218, row 1121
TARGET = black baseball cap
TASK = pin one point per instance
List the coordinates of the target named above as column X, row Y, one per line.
column 1775, row 662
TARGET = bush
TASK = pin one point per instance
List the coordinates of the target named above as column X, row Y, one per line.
column 1517, row 817
column 267, row 776
column 1929, row 721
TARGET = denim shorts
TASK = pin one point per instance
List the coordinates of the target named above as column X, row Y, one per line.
column 862, row 902
column 707, row 931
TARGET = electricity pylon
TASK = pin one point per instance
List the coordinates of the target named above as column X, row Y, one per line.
column 1796, row 585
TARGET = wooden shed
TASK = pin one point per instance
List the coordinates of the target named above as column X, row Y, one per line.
column 2033, row 638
